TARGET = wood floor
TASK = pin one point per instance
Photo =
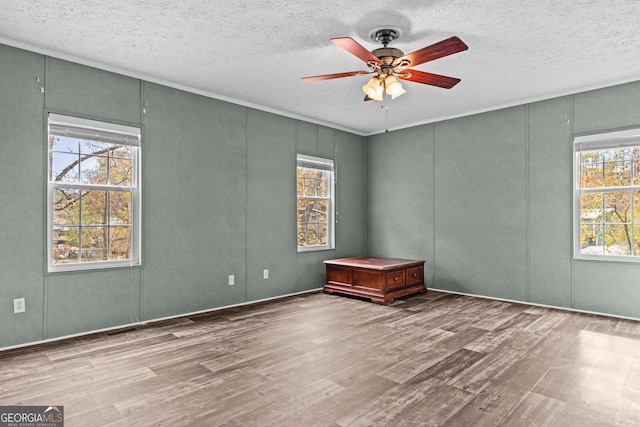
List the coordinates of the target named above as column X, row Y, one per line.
column 434, row 359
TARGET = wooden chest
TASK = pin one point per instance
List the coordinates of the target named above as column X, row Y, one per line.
column 380, row 279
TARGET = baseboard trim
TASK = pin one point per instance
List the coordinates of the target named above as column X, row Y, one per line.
column 150, row 322
column 574, row 310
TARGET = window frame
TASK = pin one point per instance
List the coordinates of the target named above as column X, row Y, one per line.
column 602, row 142
column 131, row 136
column 326, row 165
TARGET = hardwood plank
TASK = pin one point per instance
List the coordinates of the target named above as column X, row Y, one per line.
column 410, row 363
column 536, row 409
column 477, row 377
column 629, row 327
column 405, row 397
column 357, row 394
column 430, row 359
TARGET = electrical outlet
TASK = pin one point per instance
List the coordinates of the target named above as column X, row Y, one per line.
column 18, row 305
column 265, row 274
column 232, row 280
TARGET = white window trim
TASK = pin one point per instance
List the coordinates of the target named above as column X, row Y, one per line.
column 624, row 138
column 331, row 200
column 135, row 134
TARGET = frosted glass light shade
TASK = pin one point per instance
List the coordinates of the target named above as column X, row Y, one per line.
column 373, row 89
column 394, row 88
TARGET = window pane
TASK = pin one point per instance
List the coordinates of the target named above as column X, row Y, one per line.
column 120, row 243
column 309, row 188
column 94, row 170
column 94, row 207
column 94, row 147
column 636, row 207
column 321, row 184
column 617, row 207
column 120, row 207
column 617, row 167
column 617, row 174
column 94, row 243
column 636, row 165
column 65, row 245
column 120, row 172
column 301, row 210
column 591, row 169
column 311, row 211
column 122, row 152
column 68, row 145
column 636, row 240
column 591, row 239
column 617, row 239
column 321, row 207
column 300, row 181
column 322, row 234
column 302, row 240
column 312, row 234
column 65, row 167
column 591, row 208
column 66, row 207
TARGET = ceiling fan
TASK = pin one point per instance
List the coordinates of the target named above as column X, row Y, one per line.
column 388, row 64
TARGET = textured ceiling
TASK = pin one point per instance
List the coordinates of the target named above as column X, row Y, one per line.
column 255, row 52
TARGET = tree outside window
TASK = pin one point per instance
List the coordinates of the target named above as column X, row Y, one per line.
column 314, row 182
column 93, row 193
column 608, row 200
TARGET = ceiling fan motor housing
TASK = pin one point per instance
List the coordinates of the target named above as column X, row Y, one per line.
column 387, row 55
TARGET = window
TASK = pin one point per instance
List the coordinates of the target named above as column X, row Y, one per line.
column 315, row 188
column 93, row 194
column 607, row 196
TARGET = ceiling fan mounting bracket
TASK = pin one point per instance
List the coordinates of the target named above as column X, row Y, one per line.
column 385, row 36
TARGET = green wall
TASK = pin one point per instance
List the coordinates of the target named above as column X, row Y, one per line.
column 218, row 198
column 21, row 173
column 400, row 195
column 486, row 200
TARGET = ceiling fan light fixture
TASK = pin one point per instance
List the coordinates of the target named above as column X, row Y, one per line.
column 398, row 93
column 393, row 87
column 373, row 89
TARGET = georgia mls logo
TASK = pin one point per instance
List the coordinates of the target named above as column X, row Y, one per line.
column 31, row 416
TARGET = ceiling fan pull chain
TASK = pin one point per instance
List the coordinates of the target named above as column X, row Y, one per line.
column 386, row 118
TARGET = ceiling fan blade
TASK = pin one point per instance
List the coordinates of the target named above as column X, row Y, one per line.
column 428, row 78
column 355, row 48
column 438, row 50
column 332, row 76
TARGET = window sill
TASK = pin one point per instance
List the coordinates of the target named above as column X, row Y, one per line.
column 88, row 267
column 314, row 248
column 607, row 258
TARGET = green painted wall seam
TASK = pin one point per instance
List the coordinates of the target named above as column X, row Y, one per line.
column 45, row 291
column 143, row 111
column 527, row 140
column 570, row 193
column 246, row 203
column 45, row 266
column 366, row 246
column 435, row 231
